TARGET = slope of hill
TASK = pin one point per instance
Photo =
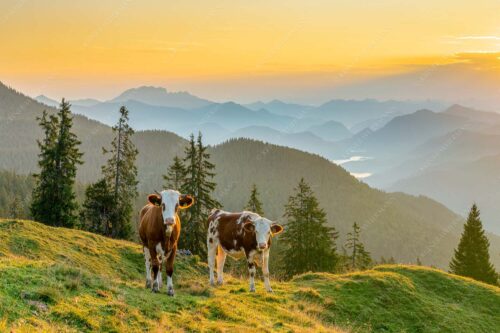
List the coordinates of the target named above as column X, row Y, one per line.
column 395, row 142
column 331, row 131
column 446, row 183
column 46, row 100
column 478, row 115
column 445, row 152
column 410, row 130
column 78, row 102
column 305, row 141
column 63, row 280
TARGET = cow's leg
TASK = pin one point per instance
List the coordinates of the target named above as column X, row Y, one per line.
column 265, row 270
column 169, row 265
column 251, row 270
column 156, row 266
column 161, row 258
column 211, row 252
column 147, row 259
column 221, row 259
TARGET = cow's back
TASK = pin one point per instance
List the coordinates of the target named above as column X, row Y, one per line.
column 227, row 230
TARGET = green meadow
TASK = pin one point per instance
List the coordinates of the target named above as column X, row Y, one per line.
column 62, row 280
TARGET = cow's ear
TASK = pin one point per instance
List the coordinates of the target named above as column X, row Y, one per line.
column 185, row 201
column 249, row 227
column 154, row 199
column 276, row 229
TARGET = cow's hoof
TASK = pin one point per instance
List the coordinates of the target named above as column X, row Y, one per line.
column 212, row 284
column 220, row 282
column 252, row 290
column 270, row 290
column 155, row 288
column 170, row 292
column 148, row 284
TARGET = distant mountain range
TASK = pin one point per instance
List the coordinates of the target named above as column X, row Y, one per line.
column 161, row 97
column 394, row 224
column 448, row 156
column 396, row 145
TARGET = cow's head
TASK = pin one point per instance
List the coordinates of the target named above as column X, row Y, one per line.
column 262, row 229
column 170, row 201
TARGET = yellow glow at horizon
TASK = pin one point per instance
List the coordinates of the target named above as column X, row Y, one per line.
column 217, row 39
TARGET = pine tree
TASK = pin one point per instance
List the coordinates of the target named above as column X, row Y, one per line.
column 98, row 210
column 198, row 182
column 472, row 258
column 120, row 173
column 254, row 204
column 176, row 175
column 54, row 201
column 359, row 258
column 15, row 208
column 309, row 245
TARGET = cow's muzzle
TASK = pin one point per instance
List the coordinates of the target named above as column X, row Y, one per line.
column 262, row 246
column 169, row 221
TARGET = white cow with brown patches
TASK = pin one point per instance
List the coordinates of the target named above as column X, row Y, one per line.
column 244, row 234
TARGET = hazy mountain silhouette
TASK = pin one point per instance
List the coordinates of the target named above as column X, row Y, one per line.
column 331, row 131
column 282, row 108
column 161, row 97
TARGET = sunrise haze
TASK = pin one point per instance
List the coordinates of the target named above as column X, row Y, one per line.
column 243, row 51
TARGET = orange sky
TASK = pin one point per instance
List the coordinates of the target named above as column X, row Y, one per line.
column 98, row 48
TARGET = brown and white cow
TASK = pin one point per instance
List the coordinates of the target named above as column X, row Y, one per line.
column 159, row 230
column 240, row 234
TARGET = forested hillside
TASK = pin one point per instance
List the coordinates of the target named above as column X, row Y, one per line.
column 397, row 225
column 15, row 194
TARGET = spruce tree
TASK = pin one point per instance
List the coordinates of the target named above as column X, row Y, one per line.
column 254, row 204
column 98, row 210
column 309, row 245
column 176, row 175
column 359, row 258
column 120, row 173
column 54, row 201
column 472, row 258
column 198, row 182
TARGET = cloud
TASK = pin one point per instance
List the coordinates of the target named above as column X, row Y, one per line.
column 479, row 38
column 480, row 58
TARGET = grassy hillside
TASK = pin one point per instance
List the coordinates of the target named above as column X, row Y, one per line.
column 68, row 280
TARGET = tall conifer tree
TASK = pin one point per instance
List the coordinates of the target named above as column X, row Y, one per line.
column 54, row 200
column 198, row 182
column 359, row 258
column 97, row 214
column 176, row 175
column 472, row 258
column 309, row 245
column 120, row 173
column 254, row 204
